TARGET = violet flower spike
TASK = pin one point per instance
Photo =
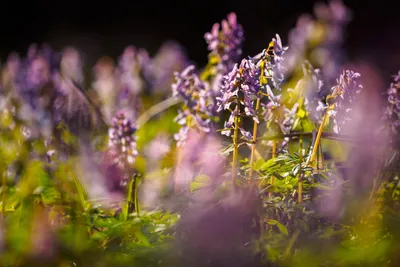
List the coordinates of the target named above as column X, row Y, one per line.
column 241, row 84
column 392, row 110
column 199, row 103
column 344, row 93
column 226, row 43
column 122, row 141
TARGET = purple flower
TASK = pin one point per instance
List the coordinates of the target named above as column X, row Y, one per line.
column 324, row 35
column 315, row 92
column 105, row 85
column 271, row 60
column 71, row 65
column 122, row 142
column 132, row 62
column 240, row 86
column 199, row 103
column 132, row 74
column 392, row 111
column 169, row 59
column 157, row 148
column 345, row 93
column 226, row 43
column 275, row 64
column 10, row 72
column 334, row 11
column 289, row 117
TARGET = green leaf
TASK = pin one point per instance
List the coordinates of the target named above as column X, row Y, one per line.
column 268, row 164
column 272, row 222
column 280, row 226
column 282, row 229
column 142, row 238
column 258, row 164
column 199, row 182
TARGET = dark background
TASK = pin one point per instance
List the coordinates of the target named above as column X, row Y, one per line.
column 105, row 28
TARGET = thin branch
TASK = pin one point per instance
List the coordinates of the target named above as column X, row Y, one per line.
column 156, row 109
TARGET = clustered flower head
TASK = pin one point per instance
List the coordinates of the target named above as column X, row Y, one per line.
column 392, row 111
column 343, row 95
column 274, row 64
column 314, row 92
column 240, row 87
column 122, row 141
column 244, row 83
column 131, row 65
column 226, row 44
column 199, row 105
column 169, row 59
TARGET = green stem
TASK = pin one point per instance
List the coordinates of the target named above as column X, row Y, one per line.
column 253, row 146
column 130, row 199
column 157, row 108
column 318, row 139
column 136, row 198
column 4, row 195
column 326, row 135
column 292, row 241
column 235, row 146
column 374, row 186
column 300, row 183
column 272, row 180
column 80, row 192
column 321, row 157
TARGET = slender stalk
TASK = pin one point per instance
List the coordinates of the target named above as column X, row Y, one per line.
column 318, row 139
column 274, row 149
column 300, row 183
column 273, row 156
column 325, row 135
column 318, row 156
column 136, row 197
column 235, row 146
column 253, row 146
column 130, row 201
column 374, row 185
column 292, row 241
column 4, row 195
column 321, row 157
column 157, row 108
column 81, row 193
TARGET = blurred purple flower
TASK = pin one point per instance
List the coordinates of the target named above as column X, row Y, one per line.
column 169, row 59
column 315, row 92
column 71, row 65
column 105, row 85
column 345, row 93
column 392, row 111
column 199, row 103
column 122, row 142
column 9, row 73
column 158, row 148
column 334, row 11
column 200, row 155
column 320, row 39
column 132, row 73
